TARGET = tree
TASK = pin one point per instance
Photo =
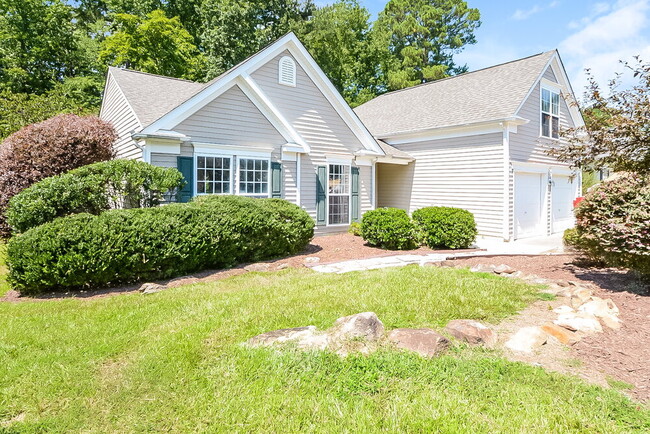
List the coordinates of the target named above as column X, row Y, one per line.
column 50, row 148
column 617, row 132
column 420, row 38
column 38, row 45
column 156, row 44
column 352, row 66
column 234, row 29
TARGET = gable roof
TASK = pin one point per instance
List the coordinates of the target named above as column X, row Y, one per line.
column 150, row 95
column 484, row 95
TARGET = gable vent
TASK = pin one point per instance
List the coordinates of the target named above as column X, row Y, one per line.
column 287, row 71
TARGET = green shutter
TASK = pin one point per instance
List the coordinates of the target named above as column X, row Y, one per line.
column 276, row 180
column 356, row 210
column 185, row 165
column 321, row 195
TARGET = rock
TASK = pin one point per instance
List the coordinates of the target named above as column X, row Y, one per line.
column 260, row 266
column 312, row 259
column 282, row 266
column 582, row 294
column 451, row 264
column 611, row 321
column 562, row 283
column 599, row 307
column 303, row 337
column 504, row 269
column 579, row 321
column 425, row 342
column 563, row 309
column 482, row 268
column 515, row 275
column 364, row 325
column 563, row 335
column 151, row 288
column 432, row 264
column 472, row 332
column 527, row 339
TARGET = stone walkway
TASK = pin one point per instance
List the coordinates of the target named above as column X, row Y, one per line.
column 381, row 262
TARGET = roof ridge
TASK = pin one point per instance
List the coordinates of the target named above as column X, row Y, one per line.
column 156, row 75
column 460, row 75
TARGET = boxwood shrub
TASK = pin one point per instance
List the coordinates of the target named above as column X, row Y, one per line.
column 444, row 227
column 127, row 245
column 93, row 189
column 388, row 228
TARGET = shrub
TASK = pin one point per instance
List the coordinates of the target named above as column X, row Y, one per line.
column 50, row 148
column 93, row 189
column 128, row 245
column 355, row 229
column 388, row 228
column 613, row 222
column 443, row 227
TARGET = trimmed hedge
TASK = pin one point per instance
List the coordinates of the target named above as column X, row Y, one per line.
column 128, row 245
column 444, row 227
column 388, row 228
column 613, row 223
column 93, row 189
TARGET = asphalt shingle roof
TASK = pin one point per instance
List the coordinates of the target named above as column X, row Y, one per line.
column 487, row 94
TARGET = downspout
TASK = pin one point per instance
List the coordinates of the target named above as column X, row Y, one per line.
column 298, row 176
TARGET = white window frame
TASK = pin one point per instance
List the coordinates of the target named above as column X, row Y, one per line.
column 196, row 172
column 268, row 176
column 552, row 90
column 327, row 205
column 292, row 62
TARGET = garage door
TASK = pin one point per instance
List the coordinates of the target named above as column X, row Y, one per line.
column 528, row 205
column 562, row 195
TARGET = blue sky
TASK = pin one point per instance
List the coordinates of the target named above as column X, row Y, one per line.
column 588, row 34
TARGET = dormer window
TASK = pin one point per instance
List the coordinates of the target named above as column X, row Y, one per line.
column 550, row 114
column 287, row 71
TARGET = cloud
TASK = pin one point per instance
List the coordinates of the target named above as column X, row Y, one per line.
column 523, row 14
column 601, row 40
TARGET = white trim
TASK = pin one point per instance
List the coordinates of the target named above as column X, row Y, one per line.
column 506, row 182
column 218, row 149
column 298, row 178
column 520, row 166
column 164, row 148
column 373, row 180
column 269, row 186
column 364, row 160
column 281, row 80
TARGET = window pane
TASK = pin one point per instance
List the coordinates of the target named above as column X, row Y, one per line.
column 339, row 210
column 546, row 100
column 545, row 125
column 208, row 188
column 555, row 127
column 555, row 104
column 200, row 187
column 200, row 162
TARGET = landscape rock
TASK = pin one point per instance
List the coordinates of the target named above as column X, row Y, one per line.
column 282, row 266
column 482, row 268
column 611, row 321
column 504, row 269
column 364, row 325
column 516, row 275
column 579, row 321
column 425, row 342
column 303, row 337
column 151, row 288
column 260, row 266
column 527, row 339
column 563, row 309
column 312, row 259
column 582, row 294
column 563, row 335
column 472, row 332
column 599, row 307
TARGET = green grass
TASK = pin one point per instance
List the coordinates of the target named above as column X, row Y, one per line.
column 173, row 361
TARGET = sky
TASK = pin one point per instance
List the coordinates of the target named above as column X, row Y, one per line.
column 588, row 34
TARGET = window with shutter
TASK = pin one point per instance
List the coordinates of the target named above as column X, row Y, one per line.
column 287, row 71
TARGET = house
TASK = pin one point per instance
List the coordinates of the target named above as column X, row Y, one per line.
column 478, row 141
column 275, row 126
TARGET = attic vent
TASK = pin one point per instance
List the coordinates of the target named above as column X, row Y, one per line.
column 287, row 71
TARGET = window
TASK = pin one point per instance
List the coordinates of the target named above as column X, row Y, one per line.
column 338, row 194
column 287, row 71
column 550, row 114
column 253, row 177
column 213, row 175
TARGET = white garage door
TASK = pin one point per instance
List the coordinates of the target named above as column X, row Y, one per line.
column 528, row 205
column 562, row 195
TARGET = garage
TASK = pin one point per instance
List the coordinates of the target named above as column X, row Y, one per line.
column 563, row 191
column 529, row 204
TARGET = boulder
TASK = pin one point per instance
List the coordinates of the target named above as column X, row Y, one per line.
column 364, row 325
column 151, row 288
column 302, row 337
column 515, row 275
column 563, row 309
column 579, row 321
column 527, row 339
column 599, row 307
column 425, row 342
column 582, row 294
column 260, row 266
column 611, row 321
column 563, row 335
column 504, row 269
column 282, row 266
column 482, row 268
column 472, row 332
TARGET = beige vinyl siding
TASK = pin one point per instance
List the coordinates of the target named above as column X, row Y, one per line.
column 169, row 160
column 116, row 110
column 463, row 172
column 232, row 119
column 394, row 185
column 527, row 145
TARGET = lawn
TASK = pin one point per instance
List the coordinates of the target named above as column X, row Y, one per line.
column 173, row 361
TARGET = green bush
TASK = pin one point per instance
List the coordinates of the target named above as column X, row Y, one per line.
column 443, row 227
column 93, row 189
column 127, row 245
column 613, row 223
column 388, row 228
column 355, row 229
column 571, row 237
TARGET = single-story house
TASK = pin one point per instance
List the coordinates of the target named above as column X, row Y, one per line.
column 275, row 126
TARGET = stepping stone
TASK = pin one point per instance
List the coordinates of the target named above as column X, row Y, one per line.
column 425, row 342
column 472, row 332
column 527, row 339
